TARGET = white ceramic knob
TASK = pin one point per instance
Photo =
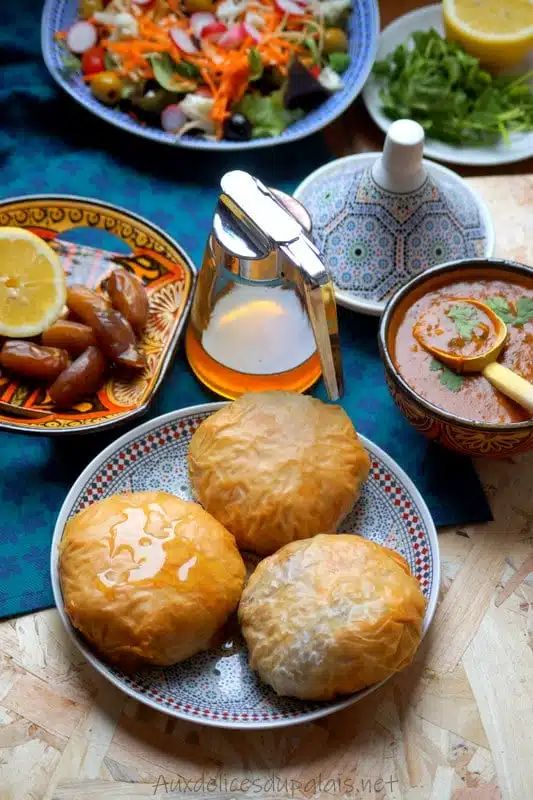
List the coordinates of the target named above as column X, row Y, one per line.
column 400, row 167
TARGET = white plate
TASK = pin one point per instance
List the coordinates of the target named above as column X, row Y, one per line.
column 520, row 145
column 340, row 175
column 217, row 687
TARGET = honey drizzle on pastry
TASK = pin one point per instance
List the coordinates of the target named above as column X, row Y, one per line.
column 143, row 536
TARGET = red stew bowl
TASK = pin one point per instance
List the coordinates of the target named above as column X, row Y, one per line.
column 472, row 438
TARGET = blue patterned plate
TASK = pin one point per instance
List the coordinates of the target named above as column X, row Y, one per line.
column 363, row 32
column 374, row 241
column 217, row 687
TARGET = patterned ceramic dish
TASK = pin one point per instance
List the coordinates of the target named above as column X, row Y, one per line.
column 520, row 145
column 217, row 687
column 456, row 433
column 363, row 33
column 374, row 241
column 168, row 275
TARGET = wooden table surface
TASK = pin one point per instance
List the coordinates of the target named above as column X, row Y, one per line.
column 457, row 725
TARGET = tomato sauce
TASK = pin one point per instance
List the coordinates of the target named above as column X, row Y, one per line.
column 470, row 396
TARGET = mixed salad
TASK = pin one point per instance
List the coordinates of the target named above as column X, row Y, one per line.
column 231, row 69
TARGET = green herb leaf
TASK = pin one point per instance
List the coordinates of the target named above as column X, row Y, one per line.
column 267, row 113
column 524, row 310
column 339, row 62
column 71, row 64
column 255, row 62
column 465, row 318
column 312, row 46
column 167, row 74
column 109, row 61
column 501, row 307
column 187, row 69
column 448, row 378
column 433, row 81
column 127, row 91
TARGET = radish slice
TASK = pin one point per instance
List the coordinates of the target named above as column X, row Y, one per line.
column 214, row 31
column 200, row 20
column 290, row 7
column 252, row 31
column 251, row 21
column 182, row 40
column 233, row 37
column 81, row 36
column 172, row 118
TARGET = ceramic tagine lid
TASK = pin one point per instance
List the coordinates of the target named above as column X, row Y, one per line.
column 380, row 218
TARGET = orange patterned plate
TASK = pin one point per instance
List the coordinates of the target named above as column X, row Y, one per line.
column 168, row 275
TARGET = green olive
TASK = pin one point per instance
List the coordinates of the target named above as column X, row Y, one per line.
column 107, row 87
column 191, row 6
column 154, row 101
column 335, row 41
column 89, row 7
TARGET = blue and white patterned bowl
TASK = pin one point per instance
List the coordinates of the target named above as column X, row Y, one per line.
column 217, row 687
column 374, row 241
column 363, row 30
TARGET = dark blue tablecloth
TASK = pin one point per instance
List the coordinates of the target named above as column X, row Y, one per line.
column 49, row 144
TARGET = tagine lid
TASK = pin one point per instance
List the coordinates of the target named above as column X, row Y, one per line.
column 381, row 218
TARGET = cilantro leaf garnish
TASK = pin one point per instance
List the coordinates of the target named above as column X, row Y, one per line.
column 465, row 317
column 255, row 64
column 448, row 378
column 524, row 310
column 501, row 307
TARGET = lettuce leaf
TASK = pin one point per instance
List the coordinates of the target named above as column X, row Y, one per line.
column 267, row 114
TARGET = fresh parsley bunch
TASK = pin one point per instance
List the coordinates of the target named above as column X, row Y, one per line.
column 437, row 83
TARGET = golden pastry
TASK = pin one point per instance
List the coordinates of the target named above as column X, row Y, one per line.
column 148, row 578
column 331, row 615
column 273, row 467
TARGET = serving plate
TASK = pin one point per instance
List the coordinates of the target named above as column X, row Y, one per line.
column 168, row 275
column 217, row 687
column 363, row 30
column 520, row 145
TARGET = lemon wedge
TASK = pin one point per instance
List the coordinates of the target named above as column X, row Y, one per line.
column 32, row 284
column 498, row 32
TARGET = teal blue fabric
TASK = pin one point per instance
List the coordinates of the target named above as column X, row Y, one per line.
column 49, row 144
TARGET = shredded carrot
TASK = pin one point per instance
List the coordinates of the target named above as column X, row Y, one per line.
column 225, row 72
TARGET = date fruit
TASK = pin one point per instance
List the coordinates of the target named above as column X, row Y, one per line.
column 83, row 301
column 83, row 377
column 128, row 296
column 74, row 337
column 32, row 360
column 116, row 338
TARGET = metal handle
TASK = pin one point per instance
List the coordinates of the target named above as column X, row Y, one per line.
column 304, row 267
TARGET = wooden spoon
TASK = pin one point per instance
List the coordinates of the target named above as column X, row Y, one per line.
column 489, row 333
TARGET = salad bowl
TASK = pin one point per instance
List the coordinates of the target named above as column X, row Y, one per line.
column 362, row 32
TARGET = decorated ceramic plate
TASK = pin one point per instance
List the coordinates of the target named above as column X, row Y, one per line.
column 363, row 31
column 373, row 241
column 217, row 687
column 520, row 145
column 168, row 276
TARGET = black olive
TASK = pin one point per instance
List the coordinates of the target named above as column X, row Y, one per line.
column 237, row 128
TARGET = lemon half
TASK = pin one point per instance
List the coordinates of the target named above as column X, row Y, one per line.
column 498, row 32
column 32, row 284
